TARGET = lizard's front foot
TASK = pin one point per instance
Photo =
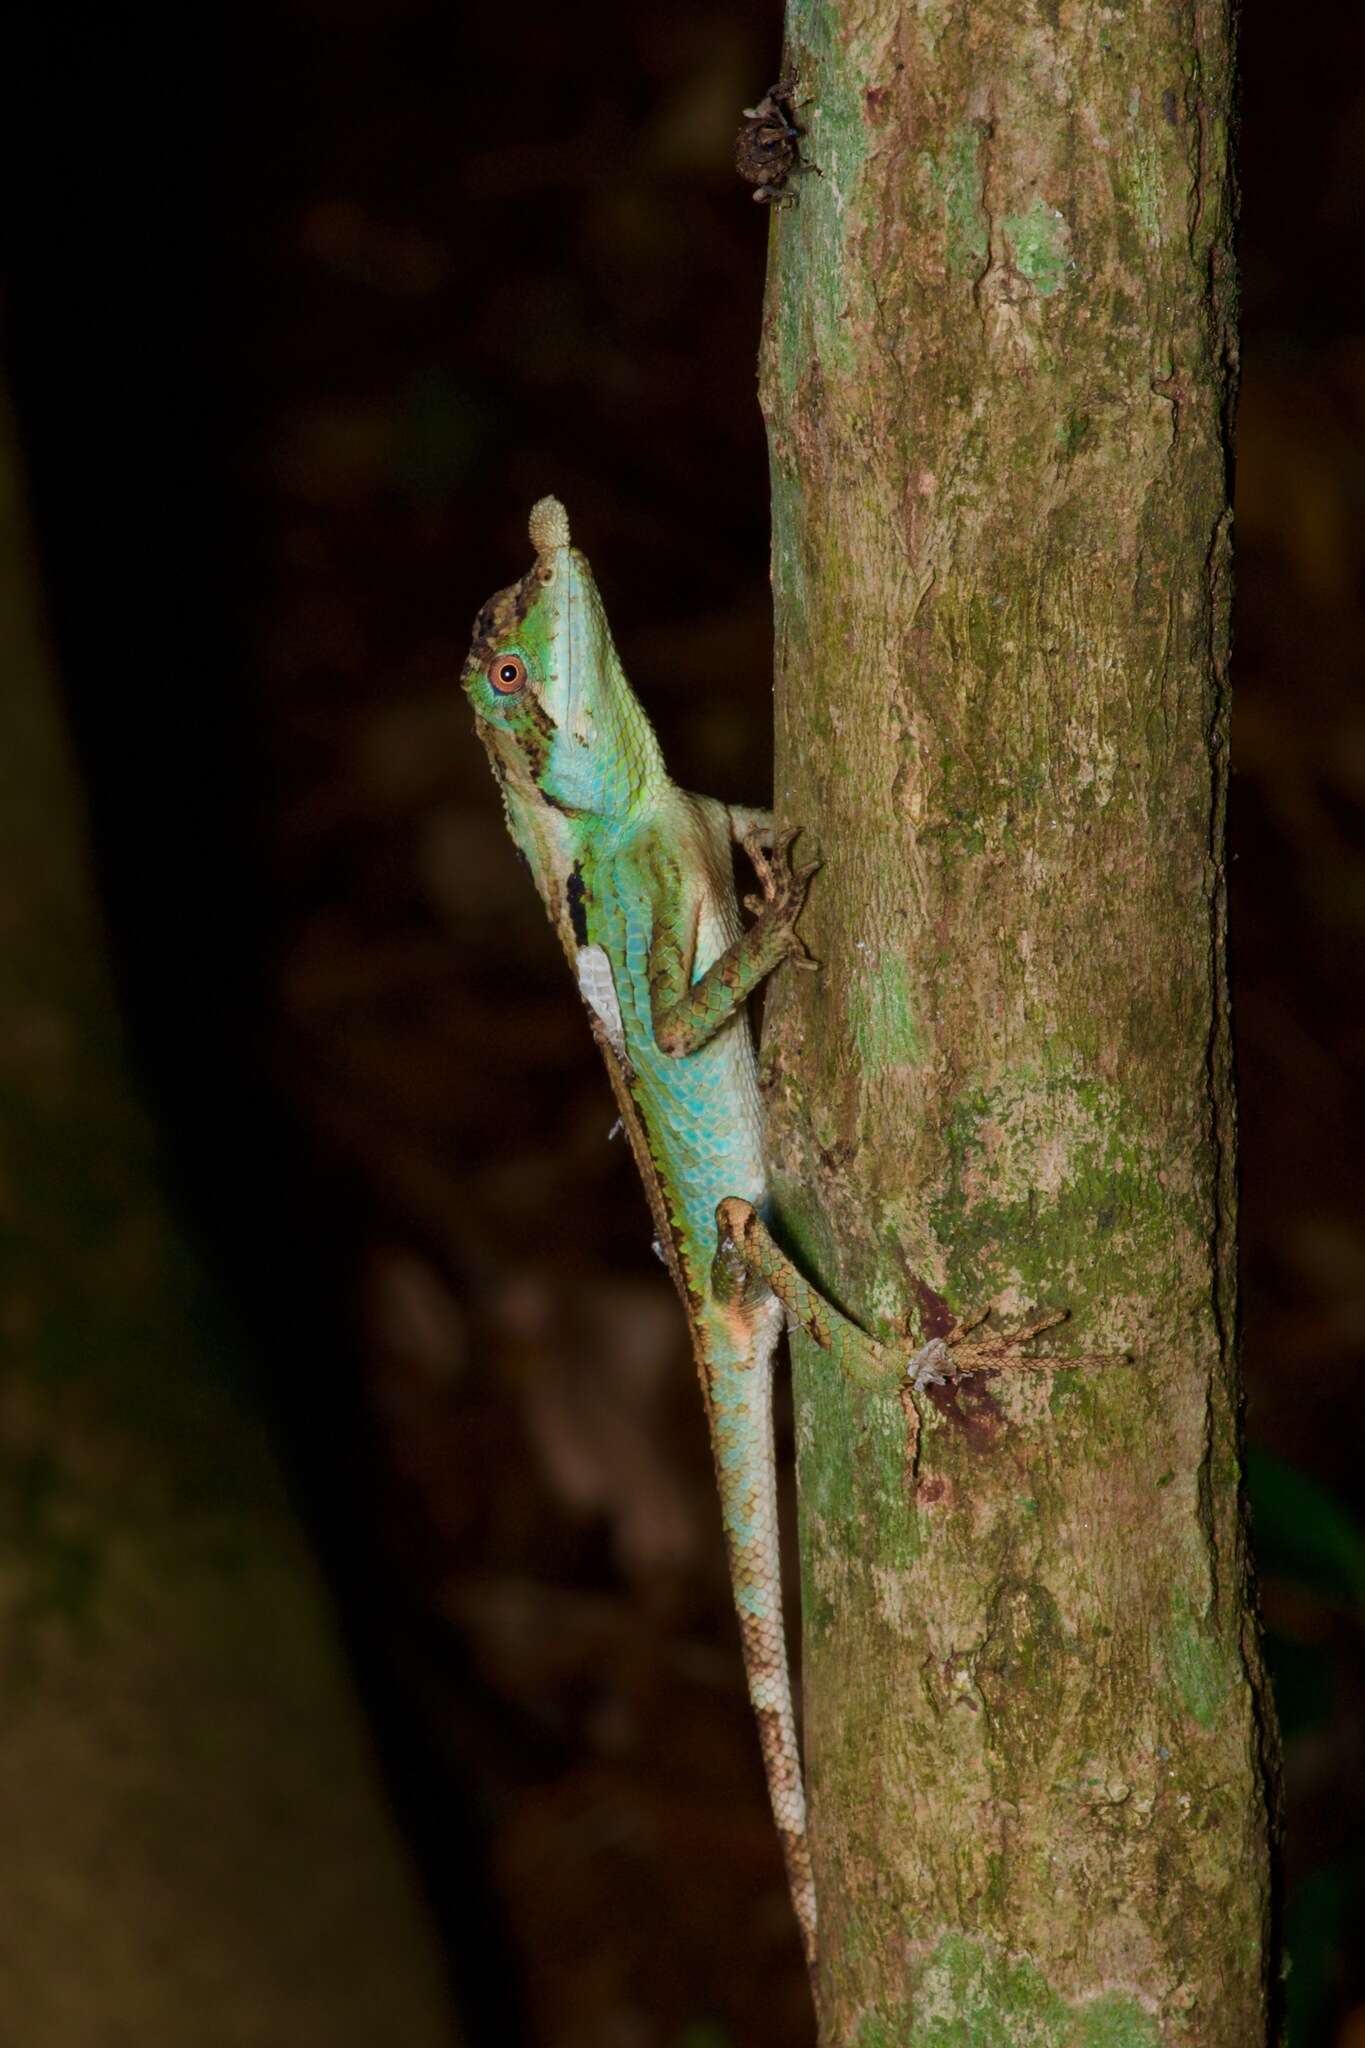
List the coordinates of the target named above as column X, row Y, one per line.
column 784, row 891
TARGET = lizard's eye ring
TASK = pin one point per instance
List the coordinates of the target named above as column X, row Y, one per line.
column 507, row 674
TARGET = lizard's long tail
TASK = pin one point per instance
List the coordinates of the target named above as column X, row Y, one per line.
column 739, row 1399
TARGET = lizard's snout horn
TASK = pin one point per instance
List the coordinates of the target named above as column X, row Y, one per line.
column 549, row 526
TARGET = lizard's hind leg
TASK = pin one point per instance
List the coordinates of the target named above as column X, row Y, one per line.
column 745, row 1248
column 746, row 1253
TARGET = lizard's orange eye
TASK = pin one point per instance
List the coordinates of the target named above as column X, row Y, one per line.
column 507, row 674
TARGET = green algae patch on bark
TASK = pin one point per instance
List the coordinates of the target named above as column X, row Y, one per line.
column 954, row 182
column 1046, row 1193
column 969, row 1995
column 881, row 1017
column 1039, row 242
column 1198, row 1662
column 835, row 141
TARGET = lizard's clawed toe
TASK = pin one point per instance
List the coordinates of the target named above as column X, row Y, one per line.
column 930, row 1366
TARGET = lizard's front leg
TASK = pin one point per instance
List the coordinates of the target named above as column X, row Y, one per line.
column 687, row 1013
column 750, row 826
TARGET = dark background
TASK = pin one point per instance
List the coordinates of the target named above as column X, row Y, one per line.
column 303, row 313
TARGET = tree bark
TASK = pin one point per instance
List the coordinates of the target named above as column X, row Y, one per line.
column 196, row 1847
column 997, row 368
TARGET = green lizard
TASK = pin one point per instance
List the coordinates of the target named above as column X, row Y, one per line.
column 636, row 875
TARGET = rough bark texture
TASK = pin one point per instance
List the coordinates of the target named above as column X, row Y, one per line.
column 997, row 371
column 196, row 1847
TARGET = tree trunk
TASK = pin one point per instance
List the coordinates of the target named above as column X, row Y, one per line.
column 196, row 1848
column 997, row 370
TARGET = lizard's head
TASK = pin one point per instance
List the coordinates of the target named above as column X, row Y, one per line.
column 553, row 705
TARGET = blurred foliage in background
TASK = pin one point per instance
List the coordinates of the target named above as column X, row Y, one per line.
column 296, row 344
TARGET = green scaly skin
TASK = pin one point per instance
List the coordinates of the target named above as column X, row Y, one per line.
column 637, row 878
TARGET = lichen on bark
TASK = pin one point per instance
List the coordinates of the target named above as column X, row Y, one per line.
column 998, row 368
